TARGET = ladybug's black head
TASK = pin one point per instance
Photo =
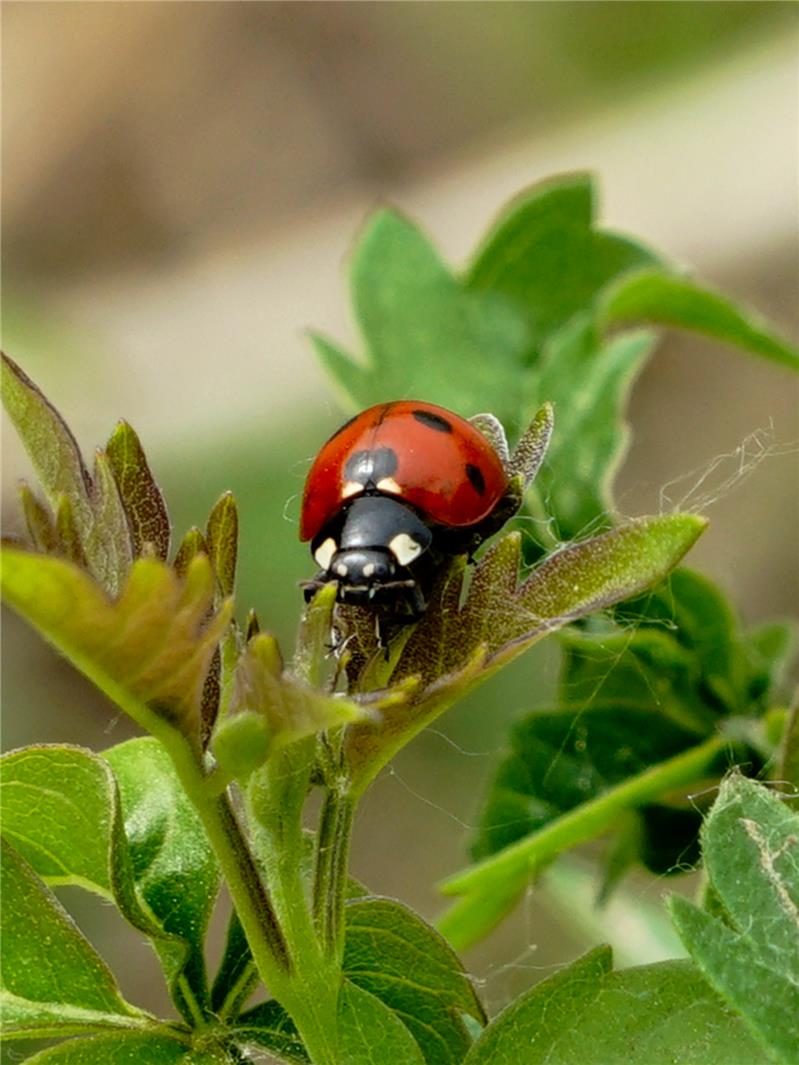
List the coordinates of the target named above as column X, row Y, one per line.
column 370, row 548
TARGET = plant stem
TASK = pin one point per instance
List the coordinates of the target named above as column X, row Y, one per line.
column 276, row 797
column 278, row 926
column 330, row 871
column 522, row 859
column 250, row 899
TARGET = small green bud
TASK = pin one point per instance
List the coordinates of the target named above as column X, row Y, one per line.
column 241, row 744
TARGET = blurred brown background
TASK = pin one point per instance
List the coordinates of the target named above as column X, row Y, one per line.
column 182, row 183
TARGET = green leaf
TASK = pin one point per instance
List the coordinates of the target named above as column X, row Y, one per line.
column 289, row 708
column 506, row 615
column 192, row 544
column 61, row 808
column 40, row 522
column 590, row 1014
column 149, row 650
column 391, row 953
column 510, row 866
column 526, row 459
column 461, row 641
column 395, row 957
column 372, row 1034
column 175, row 869
column 141, row 496
column 92, row 522
column 767, row 1002
column 269, row 1027
column 69, row 540
column 770, row 648
column 644, row 668
column 108, row 544
column 52, row 447
column 546, row 256
column 751, row 959
column 698, row 616
column 655, row 296
column 588, row 382
column 560, row 760
column 120, row 1049
column 53, row 982
column 222, row 537
column 426, row 334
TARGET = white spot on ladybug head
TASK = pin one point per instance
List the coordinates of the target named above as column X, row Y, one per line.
column 341, row 569
column 404, row 548
column 324, row 553
column 351, row 488
column 368, row 569
column 388, row 484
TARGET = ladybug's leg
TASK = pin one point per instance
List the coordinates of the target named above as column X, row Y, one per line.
column 385, row 621
column 418, row 604
column 310, row 588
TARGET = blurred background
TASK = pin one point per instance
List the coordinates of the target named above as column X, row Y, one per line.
column 182, row 185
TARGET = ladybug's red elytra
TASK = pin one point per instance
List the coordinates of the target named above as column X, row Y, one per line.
column 393, row 493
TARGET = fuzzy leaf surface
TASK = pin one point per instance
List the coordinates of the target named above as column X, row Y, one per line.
column 53, row 449
column 123, row 1049
column 222, row 537
column 149, row 650
column 268, row 1027
column 60, row 810
column 63, row 811
column 750, row 843
column 175, row 870
column 460, row 641
column 92, row 523
column 290, row 708
column 391, row 953
column 591, row 1014
column 142, row 498
column 370, row 1033
column 52, row 981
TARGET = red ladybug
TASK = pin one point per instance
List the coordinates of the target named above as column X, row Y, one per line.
column 392, row 493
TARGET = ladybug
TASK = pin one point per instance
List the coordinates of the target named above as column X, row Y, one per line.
column 391, row 495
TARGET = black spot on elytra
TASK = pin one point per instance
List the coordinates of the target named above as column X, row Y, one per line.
column 432, row 421
column 476, row 478
column 369, row 467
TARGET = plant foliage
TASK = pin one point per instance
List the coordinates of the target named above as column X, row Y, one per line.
column 661, row 692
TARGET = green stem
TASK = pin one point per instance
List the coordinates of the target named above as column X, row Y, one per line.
column 522, row 859
column 247, row 891
column 276, row 798
column 330, row 871
column 277, row 925
column 471, row 917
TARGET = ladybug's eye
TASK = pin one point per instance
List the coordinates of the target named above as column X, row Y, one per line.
column 404, row 548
